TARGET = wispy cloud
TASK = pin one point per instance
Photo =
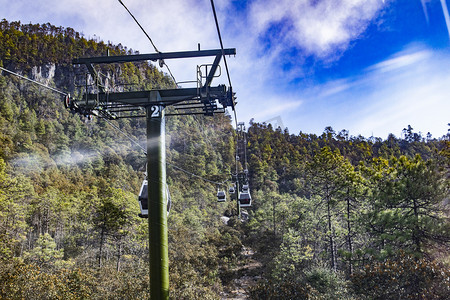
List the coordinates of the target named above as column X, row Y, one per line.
column 401, row 60
column 406, row 89
column 415, row 96
column 425, row 10
column 276, row 108
column 446, row 15
column 36, row 163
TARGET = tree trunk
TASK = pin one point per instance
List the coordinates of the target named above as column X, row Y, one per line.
column 47, row 221
column 349, row 237
column 119, row 255
column 331, row 233
column 102, row 240
column 273, row 216
column 416, row 231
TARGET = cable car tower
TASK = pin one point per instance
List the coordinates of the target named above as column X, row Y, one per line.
column 151, row 104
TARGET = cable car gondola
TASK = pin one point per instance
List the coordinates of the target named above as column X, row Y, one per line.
column 231, row 190
column 221, row 197
column 245, row 200
column 143, row 200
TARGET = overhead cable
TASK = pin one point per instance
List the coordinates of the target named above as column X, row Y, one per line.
column 126, row 135
column 34, row 81
column 149, row 38
column 198, row 176
column 220, row 39
column 226, row 66
column 137, row 22
column 223, row 52
column 145, row 152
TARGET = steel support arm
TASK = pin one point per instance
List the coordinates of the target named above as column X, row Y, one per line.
column 152, row 56
column 143, row 98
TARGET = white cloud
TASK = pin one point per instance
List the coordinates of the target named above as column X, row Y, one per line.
column 410, row 88
column 318, row 27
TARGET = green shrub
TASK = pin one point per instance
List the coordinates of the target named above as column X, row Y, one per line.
column 405, row 277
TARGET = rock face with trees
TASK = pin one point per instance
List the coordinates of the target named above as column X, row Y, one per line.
column 333, row 216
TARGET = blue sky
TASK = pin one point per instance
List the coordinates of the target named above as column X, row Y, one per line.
column 368, row 66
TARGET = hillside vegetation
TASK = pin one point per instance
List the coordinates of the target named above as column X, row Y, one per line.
column 333, row 217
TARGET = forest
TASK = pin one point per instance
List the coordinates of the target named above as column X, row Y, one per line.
column 333, row 216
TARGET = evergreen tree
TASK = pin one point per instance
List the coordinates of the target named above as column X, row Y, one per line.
column 409, row 205
column 326, row 179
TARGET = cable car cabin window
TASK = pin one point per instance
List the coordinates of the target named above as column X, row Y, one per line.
column 169, row 200
column 221, row 197
column 245, row 200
